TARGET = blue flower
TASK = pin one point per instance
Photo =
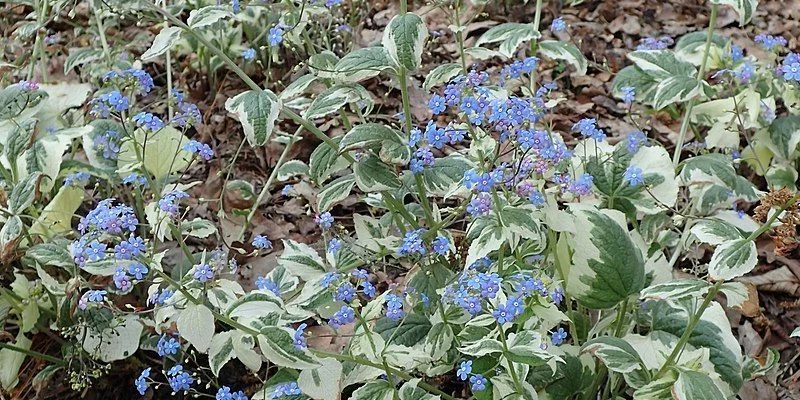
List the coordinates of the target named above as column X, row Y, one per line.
column 464, row 369
column 263, row 283
column 182, row 381
column 415, row 136
column 790, row 68
column 360, row 273
column 441, row 245
column 437, row 104
column 188, row 114
column 394, row 307
column 478, row 382
column 369, row 289
column 345, row 292
column 148, row 121
column 137, row 270
column 328, row 279
column 168, row 203
column 558, row 25
column 480, row 205
column 650, row 43
column 769, row 42
column 588, row 128
column 288, row 389
column 628, row 94
column 224, row 393
column 737, row 53
column 324, row 220
column 635, row 140
column 96, row 251
column 633, row 176
column 345, row 315
column 557, row 296
column 275, row 36
column 204, row 150
column 412, row 243
column 334, row 245
column 167, row 346
column 77, row 179
column 134, row 179
column 203, row 273
column 559, row 336
column 435, row 135
column 502, row 314
column 286, row 189
column 261, row 242
column 582, row 186
column 141, row 382
column 537, row 198
column 299, row 339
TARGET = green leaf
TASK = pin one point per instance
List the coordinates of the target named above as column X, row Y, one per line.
column 373, row 175
column 196, row 325
column 166, row 38
column 81, row 56
column 388, row 142
column 695, row 385
column 408, row 332
column 439, row 340
column 56, row 217
column 526, row 347
column 12, row 360
column 297, row 87
column 326, row 161
column 323, row 64
column 715, row 231
column 9, row 234
column 607, row 265
column 481, row 347
column 441, row 74
column 116, row 342
column 404, row 39
column 567, row 51
column 334, row 98
column 375, row 390
column 485, row 235
column 255, row 303
column 784, row 132
column 207, row 16
column 24, row 193
column 51, row 254
column 691, row 47
column 676, row 89
column 323, row 382
column 334, row 192
column 445, row 175
column 616, row 354
column 199, row 228
column 301, row 260
column 163, row 152
column 362, row 64
column 733, row 259
column 633, row 76
column 712, row 332
column 277, row 346
column 292, row 168
column 221, row 350
column 511, row 34
column 257, row 111
column 661, row 64
column 676, row 289
column 19, row 139
column 781, row 176
column 745, row 8
column 411, row 391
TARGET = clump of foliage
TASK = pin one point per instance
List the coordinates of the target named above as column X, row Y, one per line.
column 534, row 262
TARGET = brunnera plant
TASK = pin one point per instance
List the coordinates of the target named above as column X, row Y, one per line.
column 534, row 262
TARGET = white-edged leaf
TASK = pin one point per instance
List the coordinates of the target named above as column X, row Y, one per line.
column 206, row 16
column 676, row 89
column 257, row 111
column 373, row 175
column 277, row 346
column 221, row 350
column 676, row 289
column 80, row 56
column 334, row 192
column 362, row 64
column 196, row 325
column 164, row 41
column 567, row 51
column 404, row 39
column 616, row 354
column 297, row 87
column 292, row 168
column 441, row 74
column 511, row 34
column 696, row 385
column 301, row 260
column 733, row 259
column 325, row 161
column 164, row 152
column 715, row 231
column 117, row 342
column 745, row 8
column 334, row 98
column 323, row 382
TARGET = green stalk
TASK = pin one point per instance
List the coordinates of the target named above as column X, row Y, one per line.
column 268, row 184
column 713, row 292
column 34, row 354
column 511, row 370
column 712, row 22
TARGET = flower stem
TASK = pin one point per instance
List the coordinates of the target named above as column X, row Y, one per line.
column 712, row 22
column 34, row 354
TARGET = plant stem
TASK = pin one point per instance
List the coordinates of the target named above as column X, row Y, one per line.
column 511, row 370
column 621, row 318
column 32, row 353
column 101, row 32
column 270, row 179
column 712, row 22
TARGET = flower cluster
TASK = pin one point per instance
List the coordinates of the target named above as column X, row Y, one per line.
column 139, row 81
column 108, row 144
column 103, row 105
column 187, row 114
column 202, row 149
column 650, row 43
column 769, row 42
column 790, row 68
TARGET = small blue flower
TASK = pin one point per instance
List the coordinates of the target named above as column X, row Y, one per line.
column 148, row 121
column 334, row 245
column 288, row 389
column 441, row 245
column 633, row 176
column 558, row 25
column 224, row 393
column 437, row 104
column 167, row 346
column 345, row 292
column 261, row 242
column 478, row 382
column 769, row 42
column 275, row 36
column 360, row 273
column 299, row 339
column 203, row 273
column 464, row 369
column 286, row 189
column 345, row 315
column 324, row 220
column 369, row 289
column 628, row 94
column 263, row 283
column 248, row 54
column 202, row 149
column 536, row 197
column 737, row 53
column 412, row 243
column 77, row 179
column 141, row 382
column 650, row 43
column 559, row 336
column 137, row 270
column 635, row 140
